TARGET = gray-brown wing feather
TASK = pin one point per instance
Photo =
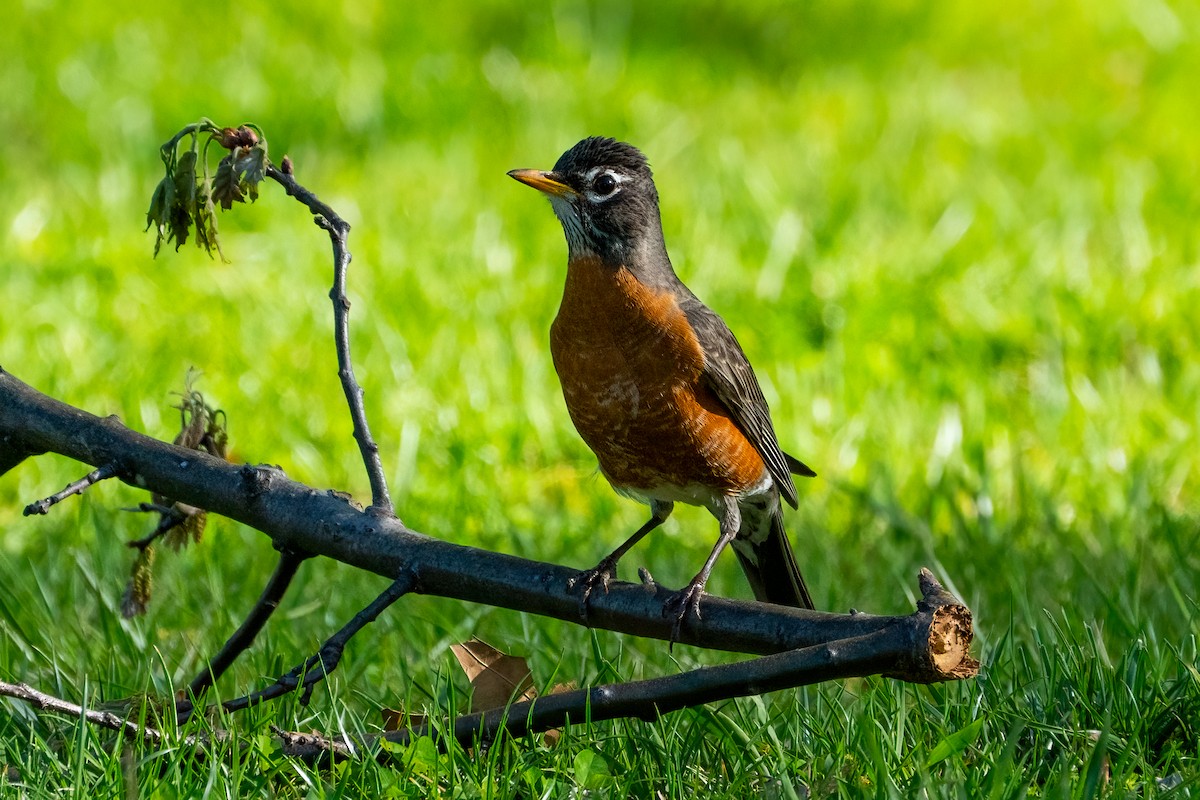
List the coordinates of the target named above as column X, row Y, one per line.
column 729, row 375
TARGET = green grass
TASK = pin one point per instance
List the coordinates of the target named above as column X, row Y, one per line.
column 958, row 244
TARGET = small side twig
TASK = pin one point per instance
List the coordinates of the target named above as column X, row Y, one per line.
column 78, row 487
column 243, row 637
column 339, row 231
column 318, row 666
column 169, row 519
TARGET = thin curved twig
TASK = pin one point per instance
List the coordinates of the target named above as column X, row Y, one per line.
column 318, row 666
column 243, row 637
column 339, row 231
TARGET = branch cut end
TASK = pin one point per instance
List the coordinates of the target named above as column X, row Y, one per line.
column 950, row 636
column 945, row 654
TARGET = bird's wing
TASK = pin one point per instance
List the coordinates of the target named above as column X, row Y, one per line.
column 728, row 373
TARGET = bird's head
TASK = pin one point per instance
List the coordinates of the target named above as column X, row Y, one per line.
column 603, row 194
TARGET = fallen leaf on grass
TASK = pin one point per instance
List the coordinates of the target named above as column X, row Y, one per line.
column 496, row 677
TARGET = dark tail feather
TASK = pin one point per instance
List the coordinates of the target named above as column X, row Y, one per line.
column 798, row 467
column 770, row 566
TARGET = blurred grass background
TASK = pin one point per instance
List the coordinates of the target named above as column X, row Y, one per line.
column 959, row 245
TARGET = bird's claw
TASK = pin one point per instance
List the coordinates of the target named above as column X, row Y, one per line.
column 681, row 605
column 588, row 580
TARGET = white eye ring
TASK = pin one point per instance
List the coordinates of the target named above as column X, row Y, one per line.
column 603, row 184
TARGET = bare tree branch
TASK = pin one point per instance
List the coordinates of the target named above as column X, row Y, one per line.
column 77, row 487
column 339, row 231
column 930, row 645
column 299, row 517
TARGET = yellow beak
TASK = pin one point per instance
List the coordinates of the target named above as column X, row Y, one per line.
column 547, row 182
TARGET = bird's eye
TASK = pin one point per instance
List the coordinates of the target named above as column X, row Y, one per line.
column 605, row 184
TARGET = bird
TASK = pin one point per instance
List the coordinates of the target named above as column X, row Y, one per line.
column 657, row 385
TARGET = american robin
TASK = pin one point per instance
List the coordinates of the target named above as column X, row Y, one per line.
column 655, row 382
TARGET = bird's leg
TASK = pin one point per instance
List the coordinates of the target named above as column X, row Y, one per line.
column 606, row 570
column 687, row 600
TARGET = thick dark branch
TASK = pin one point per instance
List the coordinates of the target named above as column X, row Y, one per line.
column 243, row 637
column 339, row 231
column 78, row 487
column 11, row 455
column 323, row 523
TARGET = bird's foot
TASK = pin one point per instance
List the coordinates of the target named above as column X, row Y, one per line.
column 681, row 605
column 588, row 580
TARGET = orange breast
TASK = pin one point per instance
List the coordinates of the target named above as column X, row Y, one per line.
column 630, row 366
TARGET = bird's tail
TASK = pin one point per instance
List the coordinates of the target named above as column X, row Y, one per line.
column 766, row 557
